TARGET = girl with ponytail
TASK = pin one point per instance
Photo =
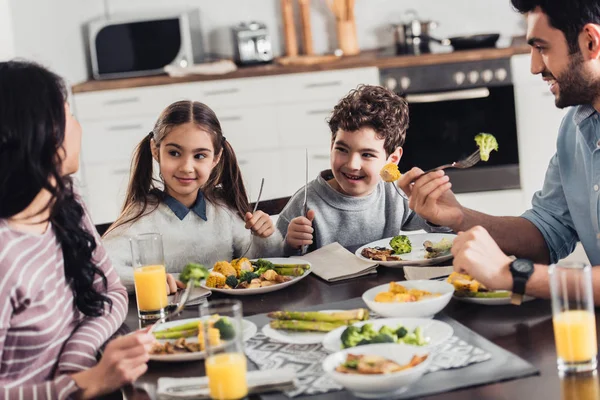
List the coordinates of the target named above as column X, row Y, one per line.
column 196, row 198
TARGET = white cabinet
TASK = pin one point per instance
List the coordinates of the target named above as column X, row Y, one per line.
column 538, row 121
column 269, row 121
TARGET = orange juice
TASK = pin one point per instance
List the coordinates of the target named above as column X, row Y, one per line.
column 150, row 287
column 575, row 336
column 227, row 376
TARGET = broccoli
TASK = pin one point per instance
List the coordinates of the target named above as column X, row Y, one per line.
column 421, row 339
column 261, row 266
column 247, row 276
column 367, row 331
column 401, row 244
column 353, row 364
column 401, row 332
column 226, row 329
column 193, row 272
column 486, row 143
column 351, row 336
column 386, row 330
column 383, row 338
column 410, row 338
column 363, row 342
column 231, row 281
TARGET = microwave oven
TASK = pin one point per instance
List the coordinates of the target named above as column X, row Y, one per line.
column 123, row 46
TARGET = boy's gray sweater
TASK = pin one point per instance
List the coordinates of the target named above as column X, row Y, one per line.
column 352, row 221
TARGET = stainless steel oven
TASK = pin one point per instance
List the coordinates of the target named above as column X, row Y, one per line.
column 449, row 104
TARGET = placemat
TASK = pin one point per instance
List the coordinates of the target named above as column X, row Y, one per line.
column 452, row 371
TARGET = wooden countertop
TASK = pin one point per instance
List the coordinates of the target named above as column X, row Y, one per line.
column 365, row 59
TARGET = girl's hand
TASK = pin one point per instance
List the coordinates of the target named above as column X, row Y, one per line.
column 124, row 360
column 300, row 231
column 172, row 284
column 260, row 223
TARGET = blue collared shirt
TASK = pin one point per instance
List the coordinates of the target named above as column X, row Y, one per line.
column 180, row 210
column 567, row 209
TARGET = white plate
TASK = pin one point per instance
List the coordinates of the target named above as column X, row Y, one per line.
column 250, row 330
column 437, row 331
column 197, row 296
column 496, row 301
column 266, row 289
column 292, row 337
column 416, row 256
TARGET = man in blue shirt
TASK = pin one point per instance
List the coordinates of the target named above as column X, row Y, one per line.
column 565, row 41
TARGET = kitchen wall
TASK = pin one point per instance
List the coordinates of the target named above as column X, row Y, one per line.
column 7, row 48
column 52, row 35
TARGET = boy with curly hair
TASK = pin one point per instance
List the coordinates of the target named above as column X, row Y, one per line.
column 349, row 203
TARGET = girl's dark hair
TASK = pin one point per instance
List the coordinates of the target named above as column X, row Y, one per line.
column 568, row 16
column 375, row 107
column 224, row 186
column 32, row 131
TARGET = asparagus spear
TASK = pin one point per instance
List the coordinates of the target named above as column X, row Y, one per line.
column 359, row 314
column 183, row 327
column 176, row 335
column 293, row 271
column 304, row 326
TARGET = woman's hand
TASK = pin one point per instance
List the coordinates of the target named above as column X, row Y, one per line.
column 300, row 231
column 124, row 360
column 260, row 223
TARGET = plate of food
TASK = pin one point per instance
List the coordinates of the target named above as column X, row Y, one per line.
column 411, row 331
column 182, row 340
column 415, row 249
column 309, row 327
column 469, row 290
column 243, row 277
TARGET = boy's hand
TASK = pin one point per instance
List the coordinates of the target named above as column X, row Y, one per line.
column 300, row 231
column 430, row 197
column 260, row 223
column 477, row 254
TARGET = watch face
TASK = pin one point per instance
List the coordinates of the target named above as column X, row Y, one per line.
column 522, row 266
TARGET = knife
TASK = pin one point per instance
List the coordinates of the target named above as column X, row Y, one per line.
column 305, row 205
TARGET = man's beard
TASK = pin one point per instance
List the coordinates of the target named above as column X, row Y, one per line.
column 576, row 86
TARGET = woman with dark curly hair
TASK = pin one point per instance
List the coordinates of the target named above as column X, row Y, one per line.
column 349, row 203
column 61, row 297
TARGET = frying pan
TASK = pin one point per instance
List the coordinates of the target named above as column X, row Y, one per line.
column 480, row 41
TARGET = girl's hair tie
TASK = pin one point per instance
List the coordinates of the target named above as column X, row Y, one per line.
column 224, row 139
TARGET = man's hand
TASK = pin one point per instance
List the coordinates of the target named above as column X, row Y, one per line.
column 477, row 254
column 300, row 231
column 429, row 195
column 260, row 223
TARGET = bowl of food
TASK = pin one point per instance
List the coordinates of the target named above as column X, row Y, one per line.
column 377, row 371
column 418, row 298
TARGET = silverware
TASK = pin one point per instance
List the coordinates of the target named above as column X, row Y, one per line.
column 262, row 183
column 305, row 204
column 179, row 309
column 203, row 393
column 464, row 163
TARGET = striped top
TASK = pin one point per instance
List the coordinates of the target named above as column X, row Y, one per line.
column 43, row 336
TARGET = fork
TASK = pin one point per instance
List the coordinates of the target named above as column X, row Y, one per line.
column 464, row 163
column 262, row 182
column 180, row 306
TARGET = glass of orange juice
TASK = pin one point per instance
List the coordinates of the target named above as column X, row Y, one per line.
column 225, row 358
column 149, row 275
column 573, row 317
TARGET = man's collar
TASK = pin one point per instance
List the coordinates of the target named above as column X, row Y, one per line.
column 583, row 112
column 180, row 210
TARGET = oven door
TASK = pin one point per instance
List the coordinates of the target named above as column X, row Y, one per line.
column 442, row 129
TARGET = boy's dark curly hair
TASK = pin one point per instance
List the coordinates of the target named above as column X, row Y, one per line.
column 375, row 107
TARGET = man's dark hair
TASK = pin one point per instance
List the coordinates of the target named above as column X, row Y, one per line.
column 568, row 16
column 374, row 107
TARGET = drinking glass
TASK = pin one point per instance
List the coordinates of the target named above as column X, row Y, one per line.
column 149, row 275
column 225, row 358
column 573, row 317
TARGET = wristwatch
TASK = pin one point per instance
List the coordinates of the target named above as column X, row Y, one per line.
column 521, row 269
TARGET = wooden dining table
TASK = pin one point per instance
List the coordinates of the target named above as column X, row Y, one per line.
column 524, row 330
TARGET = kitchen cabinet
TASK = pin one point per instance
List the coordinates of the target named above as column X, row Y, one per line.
column 538, row 121
column 268, row 120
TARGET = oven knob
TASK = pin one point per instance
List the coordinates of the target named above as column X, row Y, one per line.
column 487, row 75
column 404, row 82
column 459, row 78
column 391, row 83
column 501, row 74
column 473, row 76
